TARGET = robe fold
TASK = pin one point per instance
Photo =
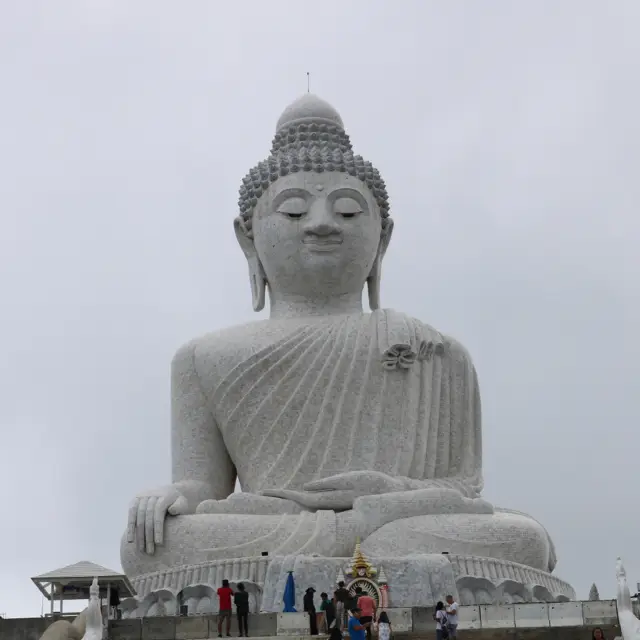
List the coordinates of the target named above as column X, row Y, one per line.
column 384, row 390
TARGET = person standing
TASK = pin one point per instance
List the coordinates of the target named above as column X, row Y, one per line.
column 367, row 606
column 241, row 600
column 329, row 610
column 452, row 616
column 440, row 617
column 224, row 599
column 310, row 608
column 341, row 597
column 384, row 627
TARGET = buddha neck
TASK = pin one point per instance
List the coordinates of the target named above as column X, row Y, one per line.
column 285, row 305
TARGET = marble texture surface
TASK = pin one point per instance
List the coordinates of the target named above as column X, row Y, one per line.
column 340, row 424
column 417, row 581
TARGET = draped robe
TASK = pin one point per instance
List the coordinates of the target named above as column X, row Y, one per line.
column 300, row 399
column 308, row 399
column 297, row 400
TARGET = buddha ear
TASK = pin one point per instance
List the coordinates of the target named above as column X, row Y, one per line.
column 257, row 277
column 373, row 281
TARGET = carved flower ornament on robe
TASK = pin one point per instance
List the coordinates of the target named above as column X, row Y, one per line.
column 402, row 356
column 403, row 342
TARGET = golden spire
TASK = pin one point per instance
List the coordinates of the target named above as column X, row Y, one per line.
column 360, row 565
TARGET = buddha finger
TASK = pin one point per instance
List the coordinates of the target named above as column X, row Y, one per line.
column 304, row 499
column 285, row 494
column 149, row 522
column 316, row 499
column 179, row 507
column 481, row 506
column 141, row 518
column 160, row 512
column 364, row 482
column 329, row 484
column 133, row 515
column 331, row 500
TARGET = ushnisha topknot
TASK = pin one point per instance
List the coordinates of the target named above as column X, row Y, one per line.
column 310, row 136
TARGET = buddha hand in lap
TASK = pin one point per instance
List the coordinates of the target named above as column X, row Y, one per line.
column 338, row 423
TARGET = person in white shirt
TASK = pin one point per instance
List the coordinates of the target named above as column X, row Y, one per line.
column 452, row 616
column 441, row 621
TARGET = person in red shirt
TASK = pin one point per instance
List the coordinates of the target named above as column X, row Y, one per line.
column 225, row 593
column 367, row 606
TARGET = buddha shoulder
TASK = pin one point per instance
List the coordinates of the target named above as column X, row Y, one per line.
column 450, row 347
column 456, row 350
column 219, row 351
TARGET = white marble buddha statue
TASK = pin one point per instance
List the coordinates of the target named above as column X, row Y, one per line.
column 339, row 423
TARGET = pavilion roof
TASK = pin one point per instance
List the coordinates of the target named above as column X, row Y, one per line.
column 76, row 580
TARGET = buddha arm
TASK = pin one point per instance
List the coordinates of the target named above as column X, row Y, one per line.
column 201, row 466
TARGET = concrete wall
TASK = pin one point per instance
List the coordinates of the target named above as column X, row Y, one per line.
column 534, row 621
column 187, row 628
column 23, row 628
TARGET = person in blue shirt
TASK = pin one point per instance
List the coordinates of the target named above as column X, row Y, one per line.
column 357, row 631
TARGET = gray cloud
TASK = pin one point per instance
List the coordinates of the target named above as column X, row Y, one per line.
column 507, row 135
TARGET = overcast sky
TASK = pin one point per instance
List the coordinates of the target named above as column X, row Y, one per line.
column 507, row 133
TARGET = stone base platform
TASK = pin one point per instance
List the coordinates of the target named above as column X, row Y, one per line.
column 544, row 621
column 414, row 581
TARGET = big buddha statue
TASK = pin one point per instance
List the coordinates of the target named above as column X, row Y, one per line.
column 340, row 424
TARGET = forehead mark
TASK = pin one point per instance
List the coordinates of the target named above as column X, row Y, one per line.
column 319, row 187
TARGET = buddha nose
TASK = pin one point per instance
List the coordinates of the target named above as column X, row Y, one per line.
column 321, row 221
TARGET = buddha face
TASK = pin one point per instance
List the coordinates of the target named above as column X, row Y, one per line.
column 317, row 234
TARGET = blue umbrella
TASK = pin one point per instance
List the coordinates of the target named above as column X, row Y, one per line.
column 289, row 597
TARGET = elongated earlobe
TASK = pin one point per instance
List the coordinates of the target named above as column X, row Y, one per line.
column 258, row 283
column 373, row 285
column 257, row 277
column 375, row 275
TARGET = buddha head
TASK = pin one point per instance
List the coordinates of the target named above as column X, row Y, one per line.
column 314, row 218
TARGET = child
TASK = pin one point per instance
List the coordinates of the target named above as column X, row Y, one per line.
column 384, row 626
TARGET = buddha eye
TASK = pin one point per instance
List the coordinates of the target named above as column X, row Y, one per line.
column 347, row 207
column 293, row 208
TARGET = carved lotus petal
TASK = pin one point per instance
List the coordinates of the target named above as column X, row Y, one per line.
column 406, row 360
column 398, row 356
